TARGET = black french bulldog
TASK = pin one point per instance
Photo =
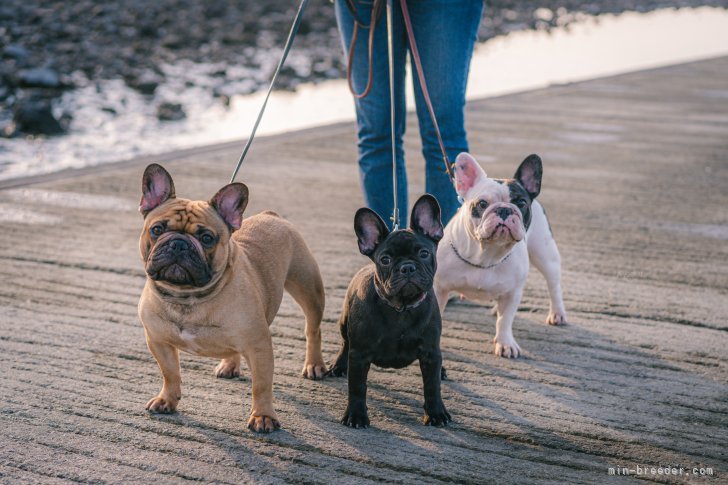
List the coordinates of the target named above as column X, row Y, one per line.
column 390, row 316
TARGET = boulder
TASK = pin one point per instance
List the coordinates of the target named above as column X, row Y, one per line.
column 40, row 77
column 170, row 112
column 34, row 116
column 17, row 52
column 146, row 82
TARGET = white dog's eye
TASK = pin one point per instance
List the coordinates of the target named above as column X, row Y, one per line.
column 483, row 204
column 385, row 260
column 424, row 254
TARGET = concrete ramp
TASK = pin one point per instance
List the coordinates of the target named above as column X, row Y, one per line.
column 636, row 188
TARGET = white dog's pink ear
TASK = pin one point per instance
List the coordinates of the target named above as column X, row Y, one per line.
column 157, row 187
column 468, row 173
column 230, row 202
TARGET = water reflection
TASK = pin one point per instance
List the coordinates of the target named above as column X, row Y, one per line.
column 112, row 122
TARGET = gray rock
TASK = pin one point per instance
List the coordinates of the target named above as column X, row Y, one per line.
column 40, row 77
column 34, row 116
column 146, row 82
column 170, row 112
column 8, row 130
column 16, row 51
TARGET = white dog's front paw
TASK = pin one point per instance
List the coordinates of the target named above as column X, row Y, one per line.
column 556, row 318
column 506, row 346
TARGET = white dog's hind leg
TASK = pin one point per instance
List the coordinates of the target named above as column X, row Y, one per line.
column 441, row 293
column 544, row 255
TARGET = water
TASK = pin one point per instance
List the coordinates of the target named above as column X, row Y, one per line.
column 592, row 47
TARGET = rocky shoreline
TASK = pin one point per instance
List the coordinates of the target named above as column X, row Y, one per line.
column 50, row 48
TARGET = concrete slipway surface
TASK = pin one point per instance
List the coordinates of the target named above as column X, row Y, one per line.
column 636, row 177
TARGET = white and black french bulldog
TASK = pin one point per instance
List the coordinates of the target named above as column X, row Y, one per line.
column 390, row 316
column 485, row 252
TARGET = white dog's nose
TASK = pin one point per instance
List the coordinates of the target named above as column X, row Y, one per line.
column 504, row 212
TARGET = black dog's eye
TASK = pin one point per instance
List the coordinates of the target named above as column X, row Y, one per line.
column 157, row 230
column 385, row 260
column 521, row 203
column 483, row 204
column 424, row 253
column 207, row 239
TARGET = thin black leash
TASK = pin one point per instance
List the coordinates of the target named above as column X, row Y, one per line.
column 390, row 55
column 286, row 50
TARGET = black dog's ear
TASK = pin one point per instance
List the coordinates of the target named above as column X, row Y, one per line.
column 230, row 202
column 529, row 174
column 370, row 230
column 157, row 187
column 425, row 218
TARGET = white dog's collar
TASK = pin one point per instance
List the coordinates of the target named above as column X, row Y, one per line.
column 481, row 266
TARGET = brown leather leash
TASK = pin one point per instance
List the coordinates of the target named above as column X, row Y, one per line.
column 423, row 85
column 360, row 24
column 376, row 10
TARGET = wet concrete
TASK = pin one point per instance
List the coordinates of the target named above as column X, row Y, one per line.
column 637, row 202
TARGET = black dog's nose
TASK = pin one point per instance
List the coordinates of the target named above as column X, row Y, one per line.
column 407, row 268
column 503, row 212
column 179, row 245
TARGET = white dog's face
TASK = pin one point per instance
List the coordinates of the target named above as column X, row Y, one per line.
column 499, row 209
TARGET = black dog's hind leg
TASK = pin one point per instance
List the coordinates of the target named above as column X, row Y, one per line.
column 435, row 412
column 340, row 366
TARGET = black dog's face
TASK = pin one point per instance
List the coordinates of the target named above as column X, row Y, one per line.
column 405, row 263
column 405, row 260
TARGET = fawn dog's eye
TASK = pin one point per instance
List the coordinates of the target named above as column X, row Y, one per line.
column 156, row 230
column 207, row 239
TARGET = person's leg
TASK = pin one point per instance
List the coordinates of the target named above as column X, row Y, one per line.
column 372, row 111
column 445, row 32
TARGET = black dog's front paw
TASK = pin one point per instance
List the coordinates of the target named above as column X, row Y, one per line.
column 355, row 418
column 336, row 370
column 437, row 416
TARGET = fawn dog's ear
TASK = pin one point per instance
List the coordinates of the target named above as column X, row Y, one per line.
column 157, row 187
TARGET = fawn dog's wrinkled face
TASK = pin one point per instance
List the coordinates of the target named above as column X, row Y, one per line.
column 184, row 243
column 499, row 210
column 405, row 260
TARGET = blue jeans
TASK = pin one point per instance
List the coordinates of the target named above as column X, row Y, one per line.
column 445, row 32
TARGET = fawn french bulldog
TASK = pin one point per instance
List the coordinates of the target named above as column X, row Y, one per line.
column 215, row 283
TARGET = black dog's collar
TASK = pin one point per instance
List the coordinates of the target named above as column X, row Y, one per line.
column 402, row 308
column 481, row 266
